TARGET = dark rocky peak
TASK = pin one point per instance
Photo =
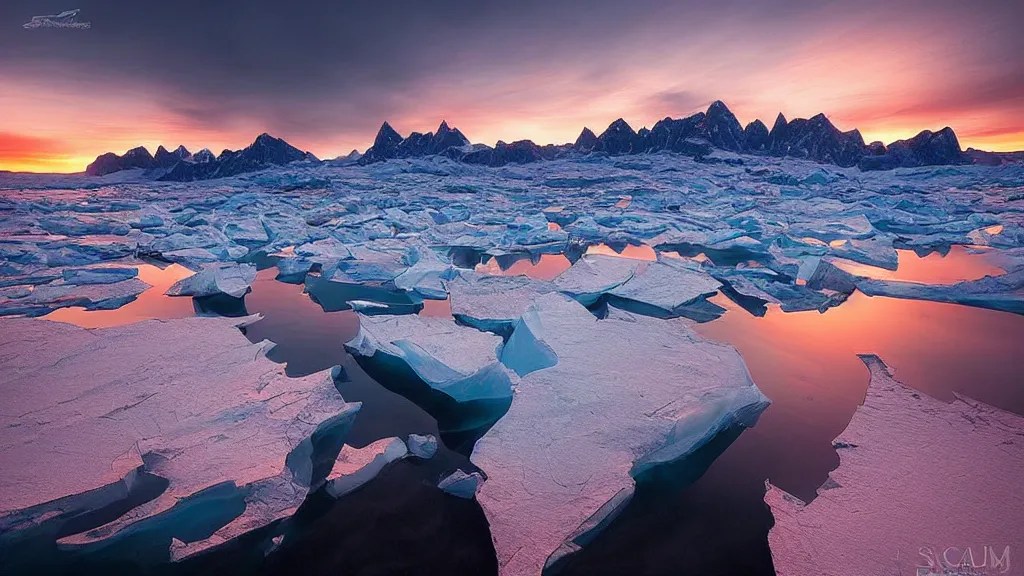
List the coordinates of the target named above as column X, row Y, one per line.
column 518, row 152
column 104, row 164
column 671, row 134
column 926, row 149
column 267, row 149
column 755, row 137
column 619, row 138
column 816, row 139
column 387, row 136
column 138, row 157
column 203, row 156
column 109, row 162
column 723, row 130
column 445, row 138
column 165, row 159
column 587, row 141
column 778, row 134
column 414, row 145
column 876, row 148
column 385, row 145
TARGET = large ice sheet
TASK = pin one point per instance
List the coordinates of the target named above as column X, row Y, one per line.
column 918, row 479
column 625, row 395
column 191, row 401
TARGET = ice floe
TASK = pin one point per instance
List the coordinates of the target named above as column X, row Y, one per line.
column 189, row 431
column 423, row 343
column 922, row 486
column 230, row 279
column 49, row 297
column 581, row 429
column 492, row 303
column 460, row 484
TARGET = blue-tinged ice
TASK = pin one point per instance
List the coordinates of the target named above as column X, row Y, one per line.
column 465, row 373
column 226, row 278
column 608, row 410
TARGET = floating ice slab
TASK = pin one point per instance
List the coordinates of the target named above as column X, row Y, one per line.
column 49, row 297
column 422, row 446
column 293, row 270
column 191, row 401
column 624, row 395
column 875, row 251
column 461, row 484
column 663, row 288
column 918, row 479
column 227, row 278
column 593, row 275
column 98, row 275
column 492, row 303
column 357, row 466
column 466, row 372
column 327, row 250
column 1005, row 293
column 426, row 274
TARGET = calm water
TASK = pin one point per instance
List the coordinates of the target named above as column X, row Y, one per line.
column 805, row 362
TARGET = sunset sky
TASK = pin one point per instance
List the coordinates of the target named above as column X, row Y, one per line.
column 323, row 74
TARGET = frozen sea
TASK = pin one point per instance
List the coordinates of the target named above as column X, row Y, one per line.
column 948, row 240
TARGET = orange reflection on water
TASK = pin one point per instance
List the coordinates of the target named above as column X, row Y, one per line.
column 437, row 308
column 806, row 363
column 151, row 304
column 957, row 266
column 549, row 266
column 642, row 252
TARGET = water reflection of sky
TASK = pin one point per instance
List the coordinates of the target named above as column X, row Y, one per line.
column 151, row 304
column 958, row 265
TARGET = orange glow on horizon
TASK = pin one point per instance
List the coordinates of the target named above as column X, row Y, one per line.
column 61, row 123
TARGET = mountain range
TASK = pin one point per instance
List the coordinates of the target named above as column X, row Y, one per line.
column 697, row 136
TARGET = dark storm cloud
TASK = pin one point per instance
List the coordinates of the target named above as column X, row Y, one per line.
column 319, row 66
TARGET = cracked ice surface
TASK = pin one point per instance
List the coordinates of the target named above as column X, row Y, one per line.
column 916, row 477
column 580, row 431
column 190, row 400
column 397, row 223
